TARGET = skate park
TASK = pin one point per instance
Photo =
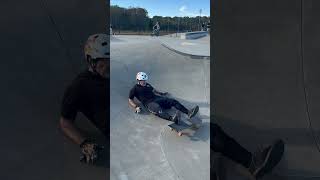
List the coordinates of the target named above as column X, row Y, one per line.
column 266, row 79
column 142, row 145
column 42, row 51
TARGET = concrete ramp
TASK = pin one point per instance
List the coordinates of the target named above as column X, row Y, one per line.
column 267, row 79
column 142, row 145
column 41, row 52
column 196, row 48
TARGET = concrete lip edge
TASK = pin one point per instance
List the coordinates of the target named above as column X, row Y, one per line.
column 192, row 56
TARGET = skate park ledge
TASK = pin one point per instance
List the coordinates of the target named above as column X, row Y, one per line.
column 194, row 35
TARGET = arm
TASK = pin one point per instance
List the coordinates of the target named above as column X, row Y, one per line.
column 71, row 131
column 159, row 92
column 135, row 106
column 89, row 149
column 132, row 103
column 131, row 100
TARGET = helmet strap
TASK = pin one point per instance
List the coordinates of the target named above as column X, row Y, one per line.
column 92, row 64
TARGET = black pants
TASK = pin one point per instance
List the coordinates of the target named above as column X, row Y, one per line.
column 160, row 104
column 228, row 147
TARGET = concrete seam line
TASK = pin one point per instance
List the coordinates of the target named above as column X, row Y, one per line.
column 161, row 146
column 205, row 84
column 185, row 54
column 56, row 29
column 303, row 74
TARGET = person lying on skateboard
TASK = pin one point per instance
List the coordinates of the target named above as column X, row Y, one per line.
column 89, row 94
column 258, row 163
column 155, row 101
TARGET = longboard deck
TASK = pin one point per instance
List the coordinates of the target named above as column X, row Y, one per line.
column 179, row 127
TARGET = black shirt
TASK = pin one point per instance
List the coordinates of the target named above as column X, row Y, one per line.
column 143, row 93
column 88, row 94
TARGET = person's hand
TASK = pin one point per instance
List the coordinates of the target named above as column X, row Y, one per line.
column 89, row 152
column 138, row 110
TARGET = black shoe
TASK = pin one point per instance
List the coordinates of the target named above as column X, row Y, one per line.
column 176, row 117
column 193, row 112
column 264, row 161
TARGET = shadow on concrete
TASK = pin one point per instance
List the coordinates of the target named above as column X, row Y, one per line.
column 260, row 136
column 251, row 138
column 201, row 134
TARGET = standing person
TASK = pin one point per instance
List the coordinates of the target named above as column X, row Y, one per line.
column 156, row 29
column 203, row 26
column 89, row 94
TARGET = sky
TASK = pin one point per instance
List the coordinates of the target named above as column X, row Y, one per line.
column 170, row 8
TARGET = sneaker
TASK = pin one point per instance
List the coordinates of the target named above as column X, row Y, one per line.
column 176, row 117
column 193, row 112
column 263, row 161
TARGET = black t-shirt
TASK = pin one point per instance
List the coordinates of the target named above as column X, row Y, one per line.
column 88, row 94
column 143, row 93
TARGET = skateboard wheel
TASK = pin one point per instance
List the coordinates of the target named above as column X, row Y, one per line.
column 180, row 133
column 171, row 129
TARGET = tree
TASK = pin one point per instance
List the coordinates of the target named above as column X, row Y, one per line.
column 137, row 19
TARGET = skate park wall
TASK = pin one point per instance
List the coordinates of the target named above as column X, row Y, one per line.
column 41, row 52
column 266, row 78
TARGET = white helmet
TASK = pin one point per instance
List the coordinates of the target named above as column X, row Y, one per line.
column 141, row 76
column 97, row 46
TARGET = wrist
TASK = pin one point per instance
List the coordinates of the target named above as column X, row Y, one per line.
column 85, row 141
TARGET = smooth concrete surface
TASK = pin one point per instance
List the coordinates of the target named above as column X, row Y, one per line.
column 193, row 47
column 142, row 145
column 36, row 66
column 311, row 54
column 266, row 79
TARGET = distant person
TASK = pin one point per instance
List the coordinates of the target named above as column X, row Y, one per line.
column 156, row 29
column 155, row 101
column 89, row 94
column 258, row 163
column 203, row 26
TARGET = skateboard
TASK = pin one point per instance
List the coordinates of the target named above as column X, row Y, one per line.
column 193, row 123
column 179, row 128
